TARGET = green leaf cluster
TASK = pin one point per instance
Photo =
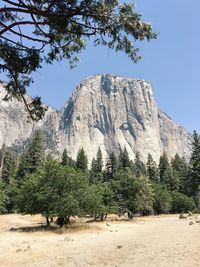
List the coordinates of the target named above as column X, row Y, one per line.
column 48, row 31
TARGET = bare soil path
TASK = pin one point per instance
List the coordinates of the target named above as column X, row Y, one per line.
column 148, row 241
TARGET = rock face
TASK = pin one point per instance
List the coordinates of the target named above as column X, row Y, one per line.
column 15, row 128
column 104, row 111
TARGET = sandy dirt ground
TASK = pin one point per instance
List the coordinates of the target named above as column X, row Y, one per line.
column 147, row 241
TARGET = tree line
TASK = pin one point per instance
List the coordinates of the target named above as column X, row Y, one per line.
column 35, row 183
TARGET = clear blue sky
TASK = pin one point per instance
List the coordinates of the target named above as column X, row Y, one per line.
column 171, row 63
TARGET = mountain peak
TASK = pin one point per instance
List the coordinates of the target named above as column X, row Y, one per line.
column 106, row 111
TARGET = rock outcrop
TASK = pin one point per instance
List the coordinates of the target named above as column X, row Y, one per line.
column 104, row 111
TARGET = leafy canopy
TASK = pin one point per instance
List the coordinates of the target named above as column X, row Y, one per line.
column 33, row 31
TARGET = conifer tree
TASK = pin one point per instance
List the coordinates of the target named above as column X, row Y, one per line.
column 139, row 166
column 82, row 161
column 180, row 170
column 194, row 172
column 65, row 158
column 96, row 173
column 111, row 166
column 124, row 161
column 163, row 166
column 9, row 166
column 99, row 160
column 33, row 158
column 152, row 170
column 165, row 172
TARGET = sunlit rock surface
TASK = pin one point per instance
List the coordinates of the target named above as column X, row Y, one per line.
column 104, row 111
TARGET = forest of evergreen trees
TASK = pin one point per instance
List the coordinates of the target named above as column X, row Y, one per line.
column 35, row 183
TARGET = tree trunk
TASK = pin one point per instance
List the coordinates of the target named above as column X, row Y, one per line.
column 60, row 221
column 47, row 220
column 67, row 221
column 130, row 215
column 96, row 216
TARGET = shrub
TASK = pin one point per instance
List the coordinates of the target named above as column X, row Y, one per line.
column 162, row 199
column 182, row 203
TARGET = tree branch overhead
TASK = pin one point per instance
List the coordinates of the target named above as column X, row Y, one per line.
column 33, row 31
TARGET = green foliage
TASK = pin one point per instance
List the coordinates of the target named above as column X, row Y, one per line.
column 182, row 203
column 133, row 194
column 124, row 161
column 11, row 192
column 66, row 160
column 60, row 30
column 180, row 170
column 9, row 166
column 164, row 166
column 33, row 158
column 168, row 176
column 55, row 191
column 2, row 198
column 100, row 200
column 99, row 161
column 139, row 166
column 110, row 167
column 194, row 166
column 81, row 161
column 162, row 199
column 152, row 170
column 96, row 173
column 64, row 189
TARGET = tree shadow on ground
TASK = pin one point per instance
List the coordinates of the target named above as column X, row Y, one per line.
column 34, row 228
column 70, row 228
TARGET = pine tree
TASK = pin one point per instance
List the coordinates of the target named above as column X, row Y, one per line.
column 184, row 177
column 65, row 158
column 33, row 158
column 139, row 166
column 152, row 169
column 165, row 172
column 194, row 165
column 180, row 170
column 124, row 161
column 9, row 166
column 163, row 166
column 96, row 173
column 111, row 167
column 99, row 160
column 81, row 161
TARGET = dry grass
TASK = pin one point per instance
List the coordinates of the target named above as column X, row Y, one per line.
column 146, row 241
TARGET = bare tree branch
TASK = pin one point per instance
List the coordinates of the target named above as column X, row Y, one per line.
column 7, row 28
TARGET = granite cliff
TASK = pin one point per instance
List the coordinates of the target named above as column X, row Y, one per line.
column 104, row 111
